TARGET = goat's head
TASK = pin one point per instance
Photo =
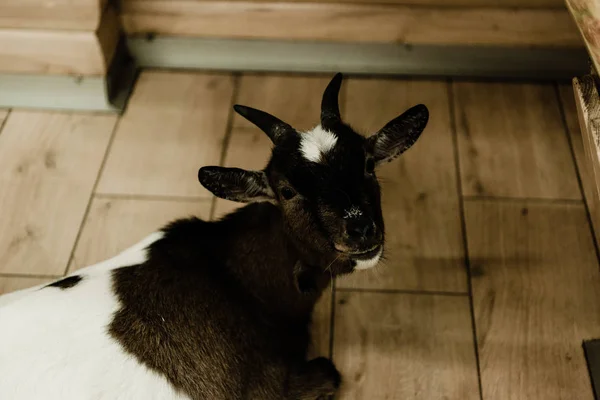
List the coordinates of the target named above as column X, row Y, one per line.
column 323, row 180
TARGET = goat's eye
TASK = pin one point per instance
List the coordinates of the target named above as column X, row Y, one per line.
column 370, row 166
column 287, row 192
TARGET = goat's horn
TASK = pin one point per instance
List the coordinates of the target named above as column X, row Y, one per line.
column 330, row 109
column 272, row 126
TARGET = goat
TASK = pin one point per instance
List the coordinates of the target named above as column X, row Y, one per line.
column 216, row 310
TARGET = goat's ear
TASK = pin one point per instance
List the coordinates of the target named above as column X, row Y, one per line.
column 236, row 184
column 399, row 134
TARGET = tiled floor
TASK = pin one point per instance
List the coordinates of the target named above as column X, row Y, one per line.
column 492, row 280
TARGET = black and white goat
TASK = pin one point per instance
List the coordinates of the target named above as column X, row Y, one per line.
column 216, row 310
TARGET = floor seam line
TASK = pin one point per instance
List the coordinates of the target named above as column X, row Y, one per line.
column 92, row 194
column 463, row 223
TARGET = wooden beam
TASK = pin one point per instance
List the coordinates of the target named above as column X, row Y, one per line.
column 441, row 3
column 586, row 14
column 60, row 51
column 352, row 23
column 56, row 14
column 587, row 100
column 50, row 52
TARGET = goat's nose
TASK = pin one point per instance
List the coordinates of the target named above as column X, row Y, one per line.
column 360, row 229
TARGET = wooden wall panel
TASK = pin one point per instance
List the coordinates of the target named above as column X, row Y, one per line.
column 56, row 14
column 60, row 51
column 50, row 52
column 352, row 22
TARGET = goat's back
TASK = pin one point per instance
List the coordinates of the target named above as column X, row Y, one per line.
column 54, row 342
column 77, row 339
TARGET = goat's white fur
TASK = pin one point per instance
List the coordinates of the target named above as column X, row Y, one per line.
column 370, row 263
column 317, row 142
column 58, row 345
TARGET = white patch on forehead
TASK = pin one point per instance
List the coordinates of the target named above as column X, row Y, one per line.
column 370, row 263
column 353, row 212
column 317, row 142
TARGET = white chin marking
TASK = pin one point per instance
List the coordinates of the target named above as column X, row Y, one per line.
column 370, row 263
column 317, row 142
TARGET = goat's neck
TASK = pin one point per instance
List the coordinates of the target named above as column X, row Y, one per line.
column 260, row 255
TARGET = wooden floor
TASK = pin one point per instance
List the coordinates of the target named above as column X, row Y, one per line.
column 492, row 280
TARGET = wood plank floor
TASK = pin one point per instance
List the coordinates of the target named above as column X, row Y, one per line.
column 491, row 281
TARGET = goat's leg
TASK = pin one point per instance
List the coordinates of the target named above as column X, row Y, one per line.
column 318, row 379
